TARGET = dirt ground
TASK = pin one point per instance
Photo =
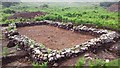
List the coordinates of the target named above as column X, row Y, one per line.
column 26, row 15
column 114, row 8
column 53, row 37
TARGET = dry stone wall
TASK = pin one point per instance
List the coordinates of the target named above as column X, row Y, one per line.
column 39, row 53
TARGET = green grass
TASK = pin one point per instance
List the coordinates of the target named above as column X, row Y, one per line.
column 77, row 13
column 113, row 63
column 80, row 63
column 98, row 63
column 5, row 51
column 37, row 65
column 0, row 35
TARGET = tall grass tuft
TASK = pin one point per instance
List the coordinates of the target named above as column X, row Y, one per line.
column 80, row 63
column 37, row 65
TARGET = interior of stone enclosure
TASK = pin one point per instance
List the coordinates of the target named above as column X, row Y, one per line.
column 53, row 37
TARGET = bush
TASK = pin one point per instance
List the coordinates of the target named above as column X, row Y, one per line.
column 65, row 19
column 50, row 17
column 44, row 6
column 96, row 63
column 9, row 21
column 80, row 63
column 59, row 17
column 8, row 11
column 39, row 18
column 8, row 4
column 5, row 17
column 79, row 21
column 23, row 20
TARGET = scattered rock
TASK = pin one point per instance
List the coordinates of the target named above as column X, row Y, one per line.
column 107, row 60
column 55, row 64
column 86, row 55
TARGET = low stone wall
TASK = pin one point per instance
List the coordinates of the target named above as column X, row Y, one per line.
column 39, row 53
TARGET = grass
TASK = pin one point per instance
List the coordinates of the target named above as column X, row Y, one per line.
column 37, row 65
column 98, row 63
column 80, row 63
column 114, row 63
column 77, row 13
column 5, row 51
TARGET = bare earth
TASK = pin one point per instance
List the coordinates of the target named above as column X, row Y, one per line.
column 53, row 37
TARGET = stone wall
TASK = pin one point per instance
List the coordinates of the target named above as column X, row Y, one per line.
column 39, row 53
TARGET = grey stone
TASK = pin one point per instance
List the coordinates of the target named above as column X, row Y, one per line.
column 84, row 48
column 49, row 55
column 45, row 55
column 51, row 59
column 77, row 51
column 77, row 46
column 62, row 55
column 58, row 56
column 68, row 50
column 44, row 58
column 54, row 54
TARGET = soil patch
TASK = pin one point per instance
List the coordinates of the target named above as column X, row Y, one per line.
column 53, row 37
column 114, row 8
column 26, row 15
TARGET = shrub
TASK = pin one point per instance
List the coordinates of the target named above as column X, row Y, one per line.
column 8, row 4
column 96, row 63
column 65, row 19
column 80, row 63
column 9, row 21
column 44, row 6
column 5, row 17
column 59, row 17
column 79, row 21
column 8, row 11
column 39, row 18
column 23, row 20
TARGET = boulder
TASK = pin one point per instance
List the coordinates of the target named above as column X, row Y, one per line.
column 51, row 58
column 49, row 55
column 58, row 56
column 44, row 58
column 11, row 43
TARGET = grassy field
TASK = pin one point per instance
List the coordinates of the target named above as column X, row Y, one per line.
column 78, row 13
